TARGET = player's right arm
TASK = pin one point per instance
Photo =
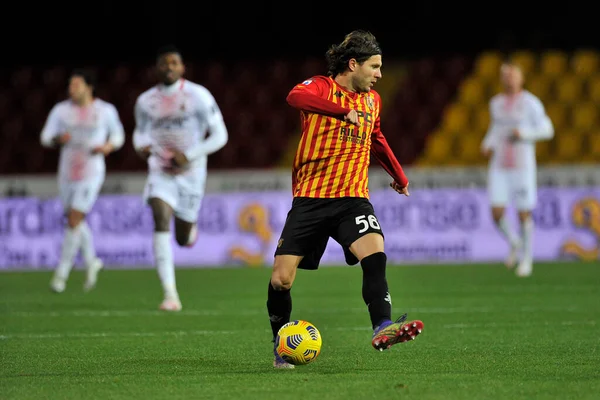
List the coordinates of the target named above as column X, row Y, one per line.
column 310, row 95
column 142, row 142
column 52, row 134
column 489, row 141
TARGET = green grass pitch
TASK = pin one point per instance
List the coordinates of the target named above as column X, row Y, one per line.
column 488, row 335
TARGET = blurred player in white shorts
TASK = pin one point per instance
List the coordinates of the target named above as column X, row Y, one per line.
column 172, row 121
column 86, row 129
column 518, row 120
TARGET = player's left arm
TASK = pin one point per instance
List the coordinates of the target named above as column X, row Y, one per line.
column 387, row 159
column 540, row 126
column 218, row 134
column 116, row 133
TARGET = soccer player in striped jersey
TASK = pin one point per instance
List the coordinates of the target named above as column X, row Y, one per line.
column 340, row 130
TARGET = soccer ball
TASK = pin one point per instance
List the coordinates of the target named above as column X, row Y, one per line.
column 298, row 342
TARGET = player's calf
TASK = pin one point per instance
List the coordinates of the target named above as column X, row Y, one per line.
column 186, row 233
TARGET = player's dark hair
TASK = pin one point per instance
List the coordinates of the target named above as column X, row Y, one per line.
column 88, row 76
column 360, row 45
column 167, row 49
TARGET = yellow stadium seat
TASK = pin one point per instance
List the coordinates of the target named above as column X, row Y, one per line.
column 553, row 63
column 568, row 88
column 593, row 88
column 568, row 146
column 585, row 62
column 526, row 60
column 469, row 150
column 584, row 116
column 481, row 119
column 471, row 91
column 543, row 151
column 487, row 65
column 539, row 85
column 593, row 146
column 456, row 118
column 438, row 149
column 558, row 114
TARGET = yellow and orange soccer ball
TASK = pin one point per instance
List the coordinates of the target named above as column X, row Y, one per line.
column 298, row 342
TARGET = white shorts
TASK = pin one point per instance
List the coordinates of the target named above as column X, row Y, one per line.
column 182, row 192
column 80, row 195
column 519, row 186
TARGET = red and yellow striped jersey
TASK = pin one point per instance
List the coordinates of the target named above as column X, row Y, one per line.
column 333, row 155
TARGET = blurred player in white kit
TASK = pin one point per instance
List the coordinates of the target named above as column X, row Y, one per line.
column 86, row 129
column 518, row 120
column 172, row 122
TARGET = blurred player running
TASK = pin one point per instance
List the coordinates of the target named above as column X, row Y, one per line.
column 172, row 121
column 86, row 129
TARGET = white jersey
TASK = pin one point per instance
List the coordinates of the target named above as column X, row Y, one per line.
column 178, row 117
column 89, row 127
column 524, row 112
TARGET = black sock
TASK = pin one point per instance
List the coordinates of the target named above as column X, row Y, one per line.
column 375, row 288
column 279, row 305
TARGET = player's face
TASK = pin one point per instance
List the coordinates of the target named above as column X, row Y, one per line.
column 170, row 68
column 367, row 74
column 78, row 89
column 512, row 78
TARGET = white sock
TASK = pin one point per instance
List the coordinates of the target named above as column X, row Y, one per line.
column 507, row 232
column 87, row 243
column 70, row 247
column 193, row 234
column 527, row 235
column 163, row 256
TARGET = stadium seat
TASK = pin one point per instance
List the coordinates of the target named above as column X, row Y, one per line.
column 526, row 60
column 22, row 79
column 568, row 146
column 119, row 76
column 468, row 149
column 6, row 104
column 593, row 88
column 480, row 117
column 584, row 63
column 544, row 151
column 438, row 149
column 471, row 92
column 456, row 118
column 539, row 85
column 453, row 69
column 55, row 78
column 487, row 65
column 584, row 116
column 568, row 88
column 422, row 70
column 593, row 146
column 557, row 114
column 553, row 63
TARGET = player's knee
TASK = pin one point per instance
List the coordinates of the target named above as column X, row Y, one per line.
column 161, row 216
column 367, row 245
column 524, row 215
column 74, row 218
column 281, row 279
column 497, row 214
column 281, row 282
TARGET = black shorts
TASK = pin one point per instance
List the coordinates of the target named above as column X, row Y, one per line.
column 311, row 222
